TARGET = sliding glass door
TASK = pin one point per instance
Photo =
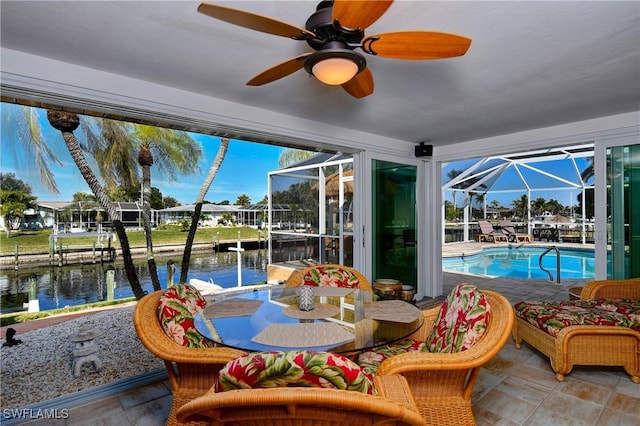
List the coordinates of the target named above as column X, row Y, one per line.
column 394, row 221
column 618, row 218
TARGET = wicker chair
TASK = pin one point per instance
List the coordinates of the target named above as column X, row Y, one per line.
column 442, row 383
column 295, row 279
column 589, row 344
column 192, row 372
column 295, row 406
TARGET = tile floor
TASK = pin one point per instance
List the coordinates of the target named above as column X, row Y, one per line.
column 517, row 387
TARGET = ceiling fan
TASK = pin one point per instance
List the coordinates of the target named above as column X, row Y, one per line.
column 334, row 31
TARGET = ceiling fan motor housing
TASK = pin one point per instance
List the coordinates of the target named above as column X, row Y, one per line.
column 334, row 49
column 326, row 31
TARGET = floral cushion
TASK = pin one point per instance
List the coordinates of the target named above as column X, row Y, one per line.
column 176, row 309
column 370, row 360
column 462, row 320
column 294, row 369
column 330, row 276
column 551, row 317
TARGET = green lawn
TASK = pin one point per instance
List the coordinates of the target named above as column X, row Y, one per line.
column 38, row 241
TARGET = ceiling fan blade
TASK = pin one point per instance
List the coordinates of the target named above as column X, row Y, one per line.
column 416, row 45
column 279, row 71
column 361, row 85
column 254, row 21
column 359, row 14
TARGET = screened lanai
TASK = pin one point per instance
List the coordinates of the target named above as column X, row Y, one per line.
column 317, row 222
column 551, row 188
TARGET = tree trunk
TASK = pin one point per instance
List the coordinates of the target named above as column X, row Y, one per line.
column 213, row 170
column 186, row 256
column 67, row 122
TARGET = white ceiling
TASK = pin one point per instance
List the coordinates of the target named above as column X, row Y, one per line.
column 530, row 65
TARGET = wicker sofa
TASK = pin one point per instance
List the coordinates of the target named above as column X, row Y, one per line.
column 602, row 328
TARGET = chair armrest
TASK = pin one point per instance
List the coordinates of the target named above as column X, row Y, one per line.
column 426, row 361
column 396, row 388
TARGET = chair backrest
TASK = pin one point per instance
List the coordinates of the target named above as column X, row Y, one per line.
column 177, row 308
column 331, row 275
column 297, row 407
column 485, row 227
column 461, row 322
column 507, row 226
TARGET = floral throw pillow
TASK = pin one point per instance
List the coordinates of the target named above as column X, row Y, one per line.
column 462, row 320
column 177, row 307
column 330, row 276
column 294, row 369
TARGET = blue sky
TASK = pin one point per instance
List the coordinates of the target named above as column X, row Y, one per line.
column 243, row 171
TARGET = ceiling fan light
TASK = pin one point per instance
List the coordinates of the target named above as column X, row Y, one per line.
column 335, row 71
column 335, row 66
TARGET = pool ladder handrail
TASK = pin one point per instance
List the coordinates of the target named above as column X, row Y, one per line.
column 557, row 263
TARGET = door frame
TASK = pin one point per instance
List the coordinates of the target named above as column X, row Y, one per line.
column 429, row 265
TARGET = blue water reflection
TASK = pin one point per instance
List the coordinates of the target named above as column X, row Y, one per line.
column 57, row 287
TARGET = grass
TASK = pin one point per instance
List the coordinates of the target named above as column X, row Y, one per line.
column 17, row 317
column 38, row 241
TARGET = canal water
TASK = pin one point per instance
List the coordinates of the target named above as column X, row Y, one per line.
column 58, row 287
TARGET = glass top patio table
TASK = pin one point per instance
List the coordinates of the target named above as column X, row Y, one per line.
column 343, row 320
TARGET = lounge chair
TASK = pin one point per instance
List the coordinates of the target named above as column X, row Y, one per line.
column 489, row 234
column 513, row 236
column 599, row 329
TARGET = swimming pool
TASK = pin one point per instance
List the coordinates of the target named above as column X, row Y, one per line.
column 522, row 262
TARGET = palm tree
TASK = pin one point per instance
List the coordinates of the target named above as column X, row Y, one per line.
column 290, row 156
column 66, row 123
column 32, row 147
column 145, row 159
column 539, row 205
column 243, row 200
column 12, row 206
column 452, row 175
column 213, row 170
column 174, row 144
column 113, row 145
column 520, row 205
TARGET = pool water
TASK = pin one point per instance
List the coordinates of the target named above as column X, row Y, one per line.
column 522, row 262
